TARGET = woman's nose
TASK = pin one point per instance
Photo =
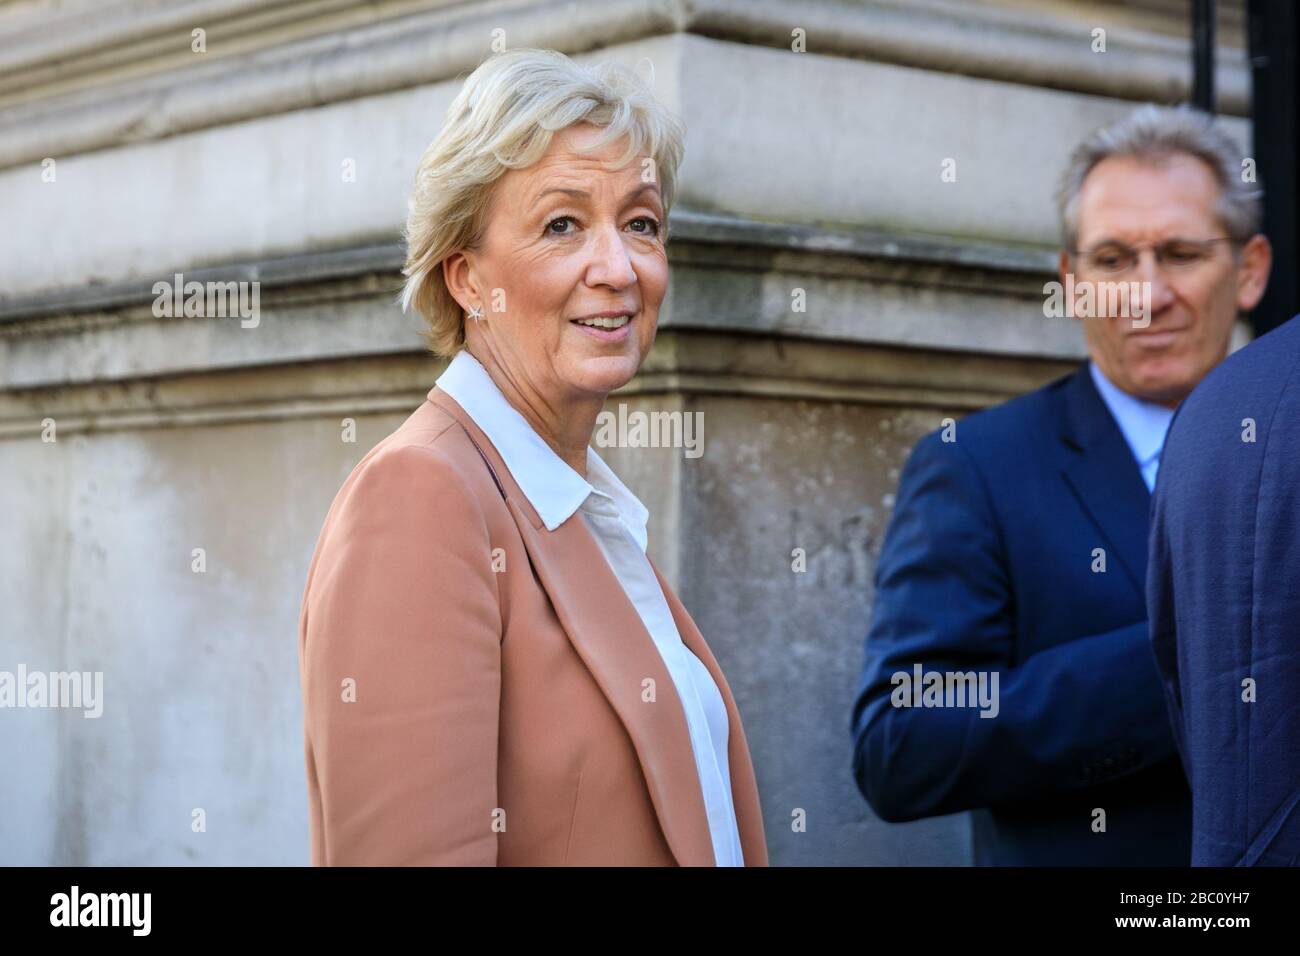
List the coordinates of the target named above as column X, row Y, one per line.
column 609, row 263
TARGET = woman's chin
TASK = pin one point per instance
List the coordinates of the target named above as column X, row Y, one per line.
column 602, row 374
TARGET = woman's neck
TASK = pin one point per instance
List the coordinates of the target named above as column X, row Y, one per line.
column 564, row 423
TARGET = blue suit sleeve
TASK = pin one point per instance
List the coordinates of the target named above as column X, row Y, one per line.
column 1163, row 616
column 1065, row 717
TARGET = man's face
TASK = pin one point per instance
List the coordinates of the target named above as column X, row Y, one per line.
column 1194, row 297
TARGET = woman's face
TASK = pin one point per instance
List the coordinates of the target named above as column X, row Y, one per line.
column 570, row 271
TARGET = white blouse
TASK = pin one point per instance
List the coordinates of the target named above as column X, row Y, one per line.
column 617, row 520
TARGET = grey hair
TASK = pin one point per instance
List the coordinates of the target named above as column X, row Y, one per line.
column 1154, row 133
column 504, row 118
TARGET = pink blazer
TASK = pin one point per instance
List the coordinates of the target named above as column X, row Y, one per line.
column 473, row 683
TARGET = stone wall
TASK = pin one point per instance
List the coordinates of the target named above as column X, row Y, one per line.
column 811, row 176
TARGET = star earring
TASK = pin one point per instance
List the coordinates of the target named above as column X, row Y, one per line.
column 476, row 312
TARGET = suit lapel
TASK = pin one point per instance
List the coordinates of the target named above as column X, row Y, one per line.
column 608, row 635
column 1104, row 476
column 744, row 786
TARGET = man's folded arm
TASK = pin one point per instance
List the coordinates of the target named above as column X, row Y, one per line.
column 1060, row 720
column 401, row 670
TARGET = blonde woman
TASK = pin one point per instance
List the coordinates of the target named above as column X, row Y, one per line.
column 523, row 686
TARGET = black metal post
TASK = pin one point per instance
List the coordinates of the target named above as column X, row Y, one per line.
column 1203, row 54
column 1275, row 110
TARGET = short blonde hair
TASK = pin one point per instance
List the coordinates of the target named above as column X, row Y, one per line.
column 504, row 118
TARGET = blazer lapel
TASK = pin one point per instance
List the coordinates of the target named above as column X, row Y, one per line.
column 744, row 786
column 607, row 633
column 1105, row 477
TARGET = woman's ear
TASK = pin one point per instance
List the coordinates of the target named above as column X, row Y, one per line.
column 458, row 273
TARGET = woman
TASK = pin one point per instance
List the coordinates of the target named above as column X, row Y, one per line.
column 493, row 672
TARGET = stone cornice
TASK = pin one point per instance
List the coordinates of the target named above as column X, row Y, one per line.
column 132, row 78
column 681, row 363
column 693, row 233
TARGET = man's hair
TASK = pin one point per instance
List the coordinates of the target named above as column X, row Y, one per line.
column 1155, row 133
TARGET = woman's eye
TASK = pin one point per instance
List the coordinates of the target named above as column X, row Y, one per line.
column 550, row 226
column 650, row 227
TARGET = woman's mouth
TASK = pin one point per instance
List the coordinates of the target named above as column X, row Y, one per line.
column 606, row 328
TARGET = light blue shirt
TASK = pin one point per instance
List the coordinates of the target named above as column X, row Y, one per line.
column 1144, row 424
column 617, row 520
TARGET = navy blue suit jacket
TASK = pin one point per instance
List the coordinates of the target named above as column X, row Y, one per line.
column 988, row 566
column 1224, row 593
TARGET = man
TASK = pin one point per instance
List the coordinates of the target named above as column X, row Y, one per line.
column 1016, row 555
column 1224, row 594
